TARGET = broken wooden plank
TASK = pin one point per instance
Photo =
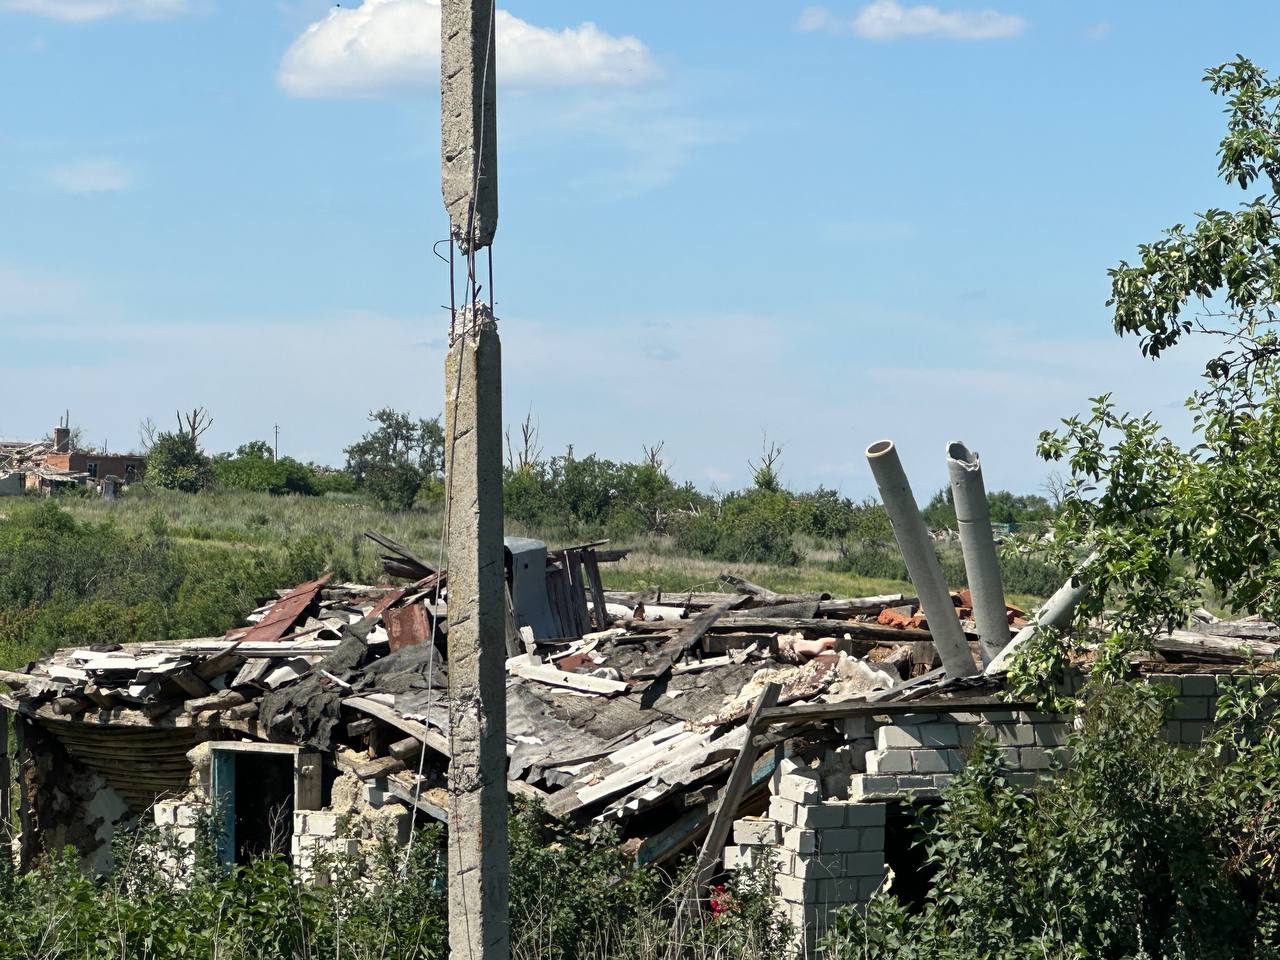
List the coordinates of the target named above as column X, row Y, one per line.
column 222, row 700
column 1202, row 646
column 600, row 607
column 409, row 559
column 689, row 635
column 389, row 716
column 718, row 833
column 820, row 712
column 574, row 681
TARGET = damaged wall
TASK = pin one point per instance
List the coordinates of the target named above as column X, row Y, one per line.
column 64, row 803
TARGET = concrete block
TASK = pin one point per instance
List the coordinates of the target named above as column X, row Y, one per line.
column 737, row 855
column 756, row 831
column 965, row 718
column 1051, row 734
column 1014, row 734
column 1199, row 685
column 889, row 761
column 800, row 841
column 896, row 736
column 997, row 717
column 837, row 890
column 165, row 814
column 869, row 864
column 322, row 824
column 940, row 735
column 1167, row 680
column 1194, row 731
column 916, row 719
column 969, row 733
column 872, row 839
column 1192, row 708
column 800, row 789
column 1034, row 758
column 819, row 816
column 796, row 889
column 915, row 782
column 188, row 815
column 1173, row 731
column 936, row 761
column 782, row 810
column 822, row 867
column 844, row 840
column 1023, row 778
column 872, row 787
column 864, row 814
column 856, row 728
column 299, row 821
column 942, row 780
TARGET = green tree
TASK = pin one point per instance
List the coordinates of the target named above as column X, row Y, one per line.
column 176, row 462
column 254, row 467
column 394, row 462
column 1167, row 520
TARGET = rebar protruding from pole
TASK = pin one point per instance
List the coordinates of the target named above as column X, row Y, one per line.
column 977, row 543
column 922, row 562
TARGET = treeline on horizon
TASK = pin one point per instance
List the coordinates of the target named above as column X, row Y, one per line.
column 399, row 465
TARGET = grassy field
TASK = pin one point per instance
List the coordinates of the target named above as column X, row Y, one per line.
column 259, row 521
column 253, row 521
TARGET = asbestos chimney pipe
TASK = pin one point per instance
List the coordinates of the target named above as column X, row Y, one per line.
column 977, row 543
column 1055, row 613
column 922, row 562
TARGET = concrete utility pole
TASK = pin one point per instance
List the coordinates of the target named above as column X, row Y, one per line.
column 478, row 859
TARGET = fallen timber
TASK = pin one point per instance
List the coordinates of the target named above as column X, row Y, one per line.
column 646, row 724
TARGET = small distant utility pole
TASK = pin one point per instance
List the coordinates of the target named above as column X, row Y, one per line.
column 478, row 859
column 275, row 450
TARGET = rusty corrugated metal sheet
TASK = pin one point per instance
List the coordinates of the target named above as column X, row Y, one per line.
column 407, row 626
column 283, row 614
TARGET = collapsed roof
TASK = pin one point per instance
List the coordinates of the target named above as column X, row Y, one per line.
column 625, row 707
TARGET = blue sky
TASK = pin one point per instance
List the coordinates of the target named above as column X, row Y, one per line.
column 833, row 224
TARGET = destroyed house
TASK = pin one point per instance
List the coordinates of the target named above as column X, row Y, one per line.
column 722, row 725
column 45, row 466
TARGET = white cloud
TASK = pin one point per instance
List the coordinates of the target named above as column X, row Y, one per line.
column 890, row 20
column 77, row 11
column 385, row 45
column 91, row 176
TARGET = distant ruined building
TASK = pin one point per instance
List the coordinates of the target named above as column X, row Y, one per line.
column 45, row 466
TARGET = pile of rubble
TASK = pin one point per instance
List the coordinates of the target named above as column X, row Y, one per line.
column 627, row 707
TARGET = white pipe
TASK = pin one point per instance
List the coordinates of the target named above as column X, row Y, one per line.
column 922, row 562
column 973, row 517
column 1055, row 613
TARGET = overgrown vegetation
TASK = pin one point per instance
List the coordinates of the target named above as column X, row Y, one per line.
column 1168, row 523
column 1139, row 849
column 573, row 897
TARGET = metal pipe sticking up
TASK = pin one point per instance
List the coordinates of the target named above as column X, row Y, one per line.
column 977, row 543
column 922, row 562
column 1055, row 613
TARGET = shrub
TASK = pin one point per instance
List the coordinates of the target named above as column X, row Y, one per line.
column 753, row 526
column 176, row 462
column 1138, row 849
column 252, row 467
